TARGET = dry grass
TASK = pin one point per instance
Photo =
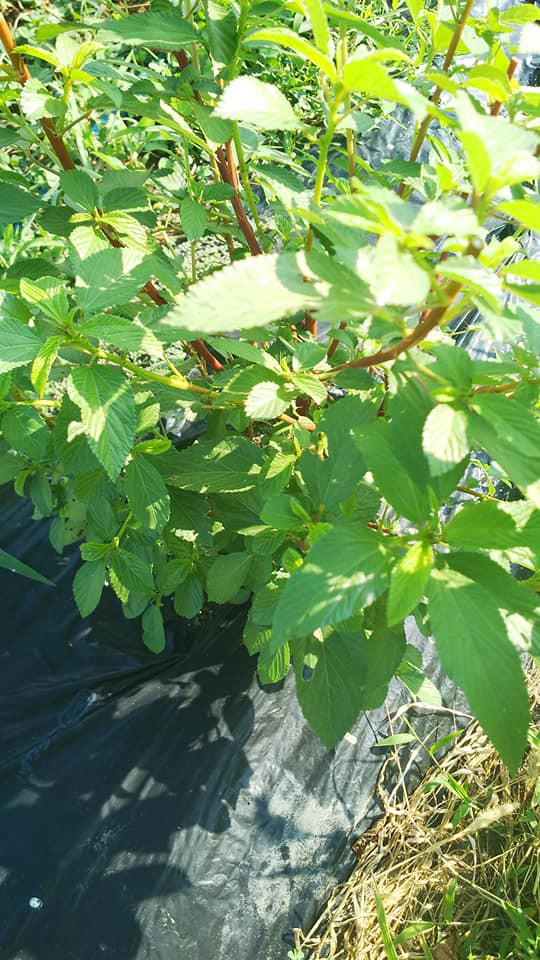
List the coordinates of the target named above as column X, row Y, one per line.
column 456, row 865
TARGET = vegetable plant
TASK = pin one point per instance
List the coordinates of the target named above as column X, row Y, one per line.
column 330, row 487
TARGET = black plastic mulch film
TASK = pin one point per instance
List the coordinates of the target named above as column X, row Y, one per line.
column 158, row 807
column 163, row 808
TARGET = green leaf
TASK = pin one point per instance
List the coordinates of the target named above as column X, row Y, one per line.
column 26, row 432
column 397, row 277
column 498, row 152
column 248, row 293
column 226, row 575
column 393, row 477
column 134, row 573
column 231, row 347
column 396, row 740
column 8, row 137
column 230, row 466
column 257, row 103
column 445, row 438
column 194, row 218
column 408, row 581
column 43, row 362
column 216, row 192
column 39, row 491
column 332, row 699
column 482, row 526
column 107, row 407
column 311, row 386
column 410, row 673
column 291, row 41
column 345, row 570
column 57, row 220
column 8, row 562
column 386, row 936
column 153, row 629
column 88, row 586
column 188, row 598
column 510, row 433
column 278, row 513
column 91, row 550
column 526, row 212
column 160, row 29
column 363, row 26
column 173, row 574
column 49, row 294
column 266, row 400
column 79, row 189
column 147, row 494
column 321, row 31
column 122, row 333
column 16, row 204
column 125, row 198
column 222, row 29
column 273, row 666
column 18, row 344
column 38, row 52
column 110, row 278
column 333, row 480
column 366, row 74
column 476, row 279
column 476, row 654
column 507, row 593
column 10, row 466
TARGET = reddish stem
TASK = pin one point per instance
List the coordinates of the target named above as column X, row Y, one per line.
column 56, row 141
column 66, row 161
column 496, row 107
column 232, row 166
column 238, row 208
column 436, row 94
column 335, row 343
column 310, row 324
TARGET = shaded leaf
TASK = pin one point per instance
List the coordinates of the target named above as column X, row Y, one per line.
column 345, row 570
column 477, row 655
column 147, row 494
column 107, row 408
column 88, row 586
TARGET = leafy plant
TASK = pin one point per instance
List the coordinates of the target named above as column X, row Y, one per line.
column 340, row 415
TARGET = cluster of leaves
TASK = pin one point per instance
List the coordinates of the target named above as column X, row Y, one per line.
column 339, row 414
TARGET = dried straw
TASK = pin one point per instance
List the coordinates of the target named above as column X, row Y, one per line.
column 465, row 825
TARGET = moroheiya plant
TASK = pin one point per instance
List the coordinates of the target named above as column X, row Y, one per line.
column 340, row 415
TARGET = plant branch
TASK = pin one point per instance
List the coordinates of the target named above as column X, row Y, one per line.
column 55, row 140
column 436, row 93
column 245, row 176
column 228, row 177
column 505, row 387
column 431, row 319
column 496, row 106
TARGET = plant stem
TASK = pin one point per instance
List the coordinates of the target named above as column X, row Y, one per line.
column 475, row 493
column 496, row 106
column 61, row 151
column 436, row 94
column 245, row 176
column 177, row 382
column 243, row 222
column 505, row 387
column 252, row 203
column 56, row 141
column 31, row 403
column 431, row 320
column 324, row 145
